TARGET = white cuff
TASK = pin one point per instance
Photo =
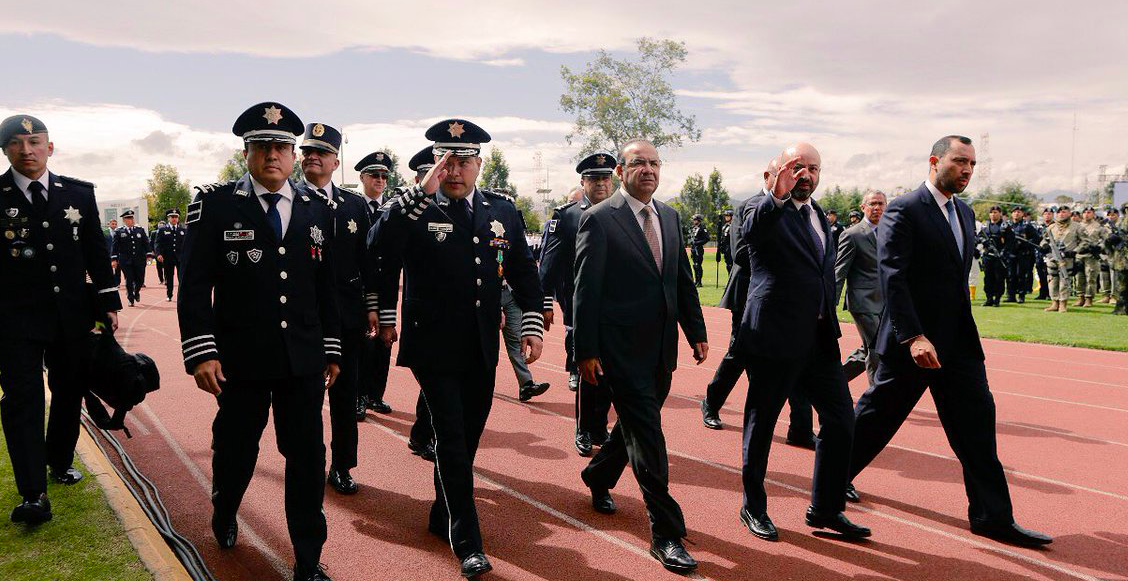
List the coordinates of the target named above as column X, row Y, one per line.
column 387, row 317
column 532, row 325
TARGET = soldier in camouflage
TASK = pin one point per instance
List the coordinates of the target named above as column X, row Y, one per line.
column 1117, row 245
column 1066, row 235
column 1093, row 234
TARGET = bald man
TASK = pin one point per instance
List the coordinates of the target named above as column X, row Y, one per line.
column 788, row 339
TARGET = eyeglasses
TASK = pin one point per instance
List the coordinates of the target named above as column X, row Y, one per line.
column 639, row 162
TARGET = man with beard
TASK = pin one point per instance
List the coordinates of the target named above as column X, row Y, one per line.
column 996, row 239
column 168, row 246
column 356, row 293
column 927, row 339
column 557, row 276
column 1020, row 271
column 376, row 356
column 789, row 340
column 1066, row 234
column 455, row 244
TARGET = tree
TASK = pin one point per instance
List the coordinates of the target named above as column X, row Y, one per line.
column 165, row 191
column 529, row 213
column 615, row 101
column 495, row 173
column 842, row 202
column 692, row 199
column 1063, row 199
column 717, row 194
column 395, row 178
column 1011, row 195
column 236, row 167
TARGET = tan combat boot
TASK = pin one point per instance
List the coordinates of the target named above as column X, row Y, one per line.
column 1080, row 301
column 1063, row 307
column 1105, row 300
column 1088, row 302
column 1052, row 308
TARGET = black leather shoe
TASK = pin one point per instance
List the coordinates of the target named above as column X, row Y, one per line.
column 1010, row 299
column 33, row 511
column 836, row 522
column 852, row 493
column 1021, row 299
column 225, row 529
column 760, row 526
column 1011, row 534
column 474, row 565
column 317, row 574
column 573, row 381
column 599, row 438
column 342, row 481
column 672, row 555
column 68, row 476
column 361, row 409
column 424, row 451
column 531, row 390
column 583, row 444
column 601, row 501
column 805, row 441
column 709, row 417
column 380, row 407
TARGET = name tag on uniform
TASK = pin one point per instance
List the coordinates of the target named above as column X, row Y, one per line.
column 236, row 235
column 440, row 227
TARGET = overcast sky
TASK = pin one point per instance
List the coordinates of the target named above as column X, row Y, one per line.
column 124, row 85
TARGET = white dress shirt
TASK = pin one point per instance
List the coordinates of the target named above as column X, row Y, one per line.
column 636, row 208
column 941, row 202
column 285, row 204
column 22, row 182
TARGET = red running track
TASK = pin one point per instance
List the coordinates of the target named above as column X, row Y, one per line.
column 1062, row 416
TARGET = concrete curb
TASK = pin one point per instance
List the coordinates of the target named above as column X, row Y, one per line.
column 155, row 554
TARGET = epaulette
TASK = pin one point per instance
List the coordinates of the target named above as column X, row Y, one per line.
column 353, row 192
column 206, row 188
column 329, row 201
column 76, row 181
column 500, row 196
column 563, row 207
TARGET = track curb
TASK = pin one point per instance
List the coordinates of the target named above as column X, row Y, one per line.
column 155, row 554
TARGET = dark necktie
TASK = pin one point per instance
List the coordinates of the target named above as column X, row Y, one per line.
column 805, row 210
column 38, row 200
column 272, row 214
column 460, row 212
column 373, row 208
column 954, row 223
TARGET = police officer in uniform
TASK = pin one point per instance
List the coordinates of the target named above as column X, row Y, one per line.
column 1020, row 270
column 51, row 242
column 153, row 249
column 130, row 249
column 356, row 296
column 698, row 238
column 421, row 442
column 455, row 244
column 376, row 356
column 270, row 338
column 996, row 239
column 558, row 277
column 168, row 245
column 724, row 245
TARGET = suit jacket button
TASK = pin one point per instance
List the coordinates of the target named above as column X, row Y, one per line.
column 50, row 246
column 475, row 238
column 47, row 224
column 282, row 299
column 281, row 250
column 284, row 324
column 477, row 260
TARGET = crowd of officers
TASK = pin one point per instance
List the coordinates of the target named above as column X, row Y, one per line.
column 1075, row 252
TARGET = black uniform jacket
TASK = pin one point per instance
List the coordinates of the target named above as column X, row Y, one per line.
column 169, row 242
column 558, row 257
column 452, row 277
column 130, row 245
column 46, row 261
column 356, row 294
column 274, row 312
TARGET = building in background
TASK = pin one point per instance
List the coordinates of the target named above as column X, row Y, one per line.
column 112, row 209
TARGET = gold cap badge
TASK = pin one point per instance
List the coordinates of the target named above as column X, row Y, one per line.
column 455, row 129
column 272, row 115
column 318, row 130
column 26, row 123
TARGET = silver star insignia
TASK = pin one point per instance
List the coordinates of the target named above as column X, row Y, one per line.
column 497, row 228
column 316, row 235
column 352, row 226
column 72, row 214
column 272, row 115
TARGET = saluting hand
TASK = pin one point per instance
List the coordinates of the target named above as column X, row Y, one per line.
column 435, row 175
column 331, row 372
column 208, row 376
column 786, row 177
column 590, row 370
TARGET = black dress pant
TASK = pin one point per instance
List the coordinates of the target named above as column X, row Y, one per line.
column 729, row 371
column 967, row 413
column 421, row 430
column 698, row 255
column 1020, row 275
column 22, row 406
column 593, row 403
column 819, row 374
column 134, row 273
column 458, row 402
column 637, row 438
column 236, row 431
column 342, row 401
column 994, row 278
column 1043, row 284
column 170, row 268
column 375, row 361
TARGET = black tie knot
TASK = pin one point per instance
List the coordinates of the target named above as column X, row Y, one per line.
column 38, row 200
column 272, row 199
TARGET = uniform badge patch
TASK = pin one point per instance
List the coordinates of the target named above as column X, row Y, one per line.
column 12, row 212
column 440, row 227
column 440, row 236
column 72, row 214
column 550, row 226
column 352, row 226
column 236, row 235
column 255, row 255
column 497, row 228
column 233, row 257
column 316, row 235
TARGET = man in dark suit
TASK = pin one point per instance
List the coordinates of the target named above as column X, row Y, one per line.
column 52, row 242
column 927, row 338
column 356, row 293
column 260, row 327
column 856, row 269
column 789, row 340
column 557, row 276
column 634, row 287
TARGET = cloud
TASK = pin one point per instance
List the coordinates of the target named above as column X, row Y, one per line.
column 157, row 142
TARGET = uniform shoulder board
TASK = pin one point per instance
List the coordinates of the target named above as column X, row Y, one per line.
column 329, row 201
column 206, row 188
column 76, row 181
column 563, row 207
column 499, row 196
column 353, row 192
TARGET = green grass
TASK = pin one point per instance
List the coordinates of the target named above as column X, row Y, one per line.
column 84, row 542
column 1093, row 327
